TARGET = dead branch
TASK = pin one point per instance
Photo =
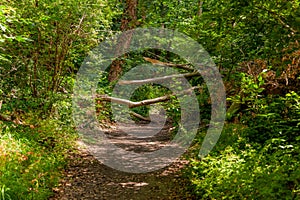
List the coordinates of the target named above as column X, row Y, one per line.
column 132, row 104
column 79, row 24
column 153, row 80
column 140, row 116
column 157, row 62
column 205, row 70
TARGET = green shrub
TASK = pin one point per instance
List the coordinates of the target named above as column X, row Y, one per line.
column 270, row 173
column 276, row 118
column 32, row 156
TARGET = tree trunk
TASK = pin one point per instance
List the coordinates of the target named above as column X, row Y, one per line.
column 128, row 22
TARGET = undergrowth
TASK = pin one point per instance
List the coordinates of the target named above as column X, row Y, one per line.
column 256, row 158
column 32, row 156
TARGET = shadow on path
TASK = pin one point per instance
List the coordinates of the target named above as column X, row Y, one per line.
column 88, row 178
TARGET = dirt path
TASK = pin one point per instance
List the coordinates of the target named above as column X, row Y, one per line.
column 88, row 178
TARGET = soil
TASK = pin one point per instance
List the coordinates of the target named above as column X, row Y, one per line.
column 87, row 178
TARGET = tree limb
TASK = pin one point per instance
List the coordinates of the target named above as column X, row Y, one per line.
column 76, row 31
column 132, row 104
column 151, row 80
column 205, row 70
column 157, row 62
column 140, row 116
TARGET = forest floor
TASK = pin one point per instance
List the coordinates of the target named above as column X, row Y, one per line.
column 88, row 178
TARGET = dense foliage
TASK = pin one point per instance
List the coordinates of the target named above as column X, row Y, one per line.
column 42, row 45
column 253, row 43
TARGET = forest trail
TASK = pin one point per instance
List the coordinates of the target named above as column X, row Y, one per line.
column 88, row 178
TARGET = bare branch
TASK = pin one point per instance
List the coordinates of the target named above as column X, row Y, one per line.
column 151, row 80
column 140, row 116
column 79, row 24
column 157, row 62
column 132, row 104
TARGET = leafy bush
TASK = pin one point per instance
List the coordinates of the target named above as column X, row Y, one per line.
column 275, row 118
column 258, row 159
column 241, row 171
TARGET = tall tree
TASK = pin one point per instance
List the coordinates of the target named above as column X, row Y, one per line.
column 43, row 42
column 129, row 21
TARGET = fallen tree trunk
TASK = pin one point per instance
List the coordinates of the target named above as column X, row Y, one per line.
column 132, row 104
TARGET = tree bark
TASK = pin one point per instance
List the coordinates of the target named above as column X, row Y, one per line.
column 140, row 116
column 200, row 11
column 151, row 80
column 157, row 62
column 132, row 104
column 128, row 22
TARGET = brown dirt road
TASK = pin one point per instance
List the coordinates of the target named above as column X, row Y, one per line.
column 87, row 178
